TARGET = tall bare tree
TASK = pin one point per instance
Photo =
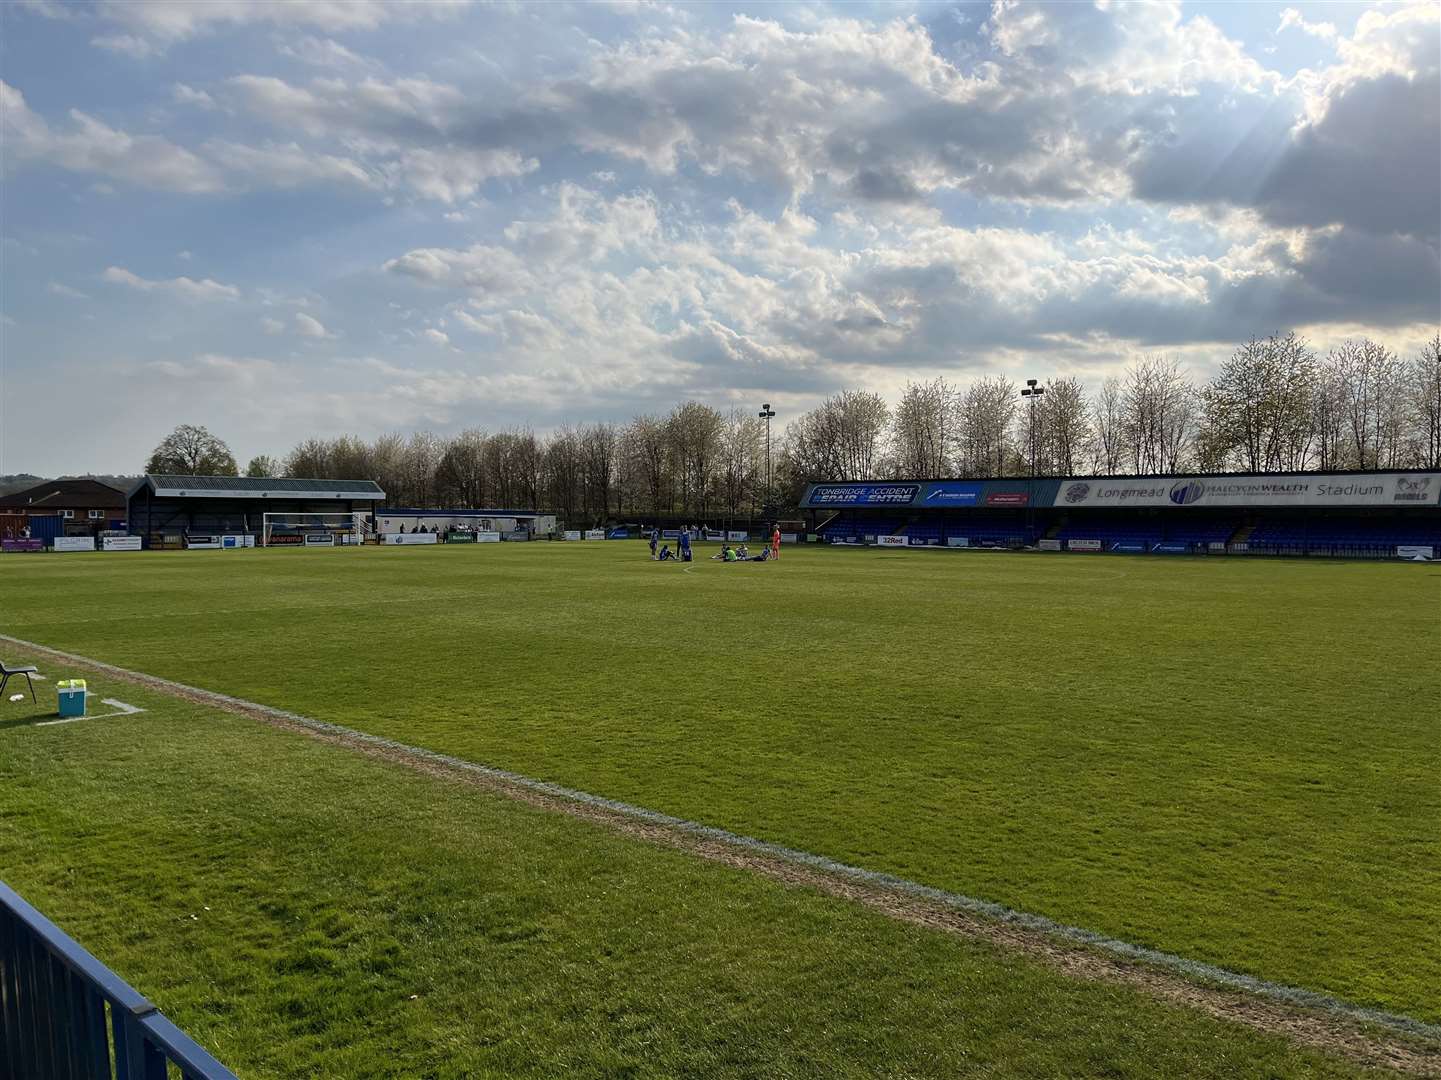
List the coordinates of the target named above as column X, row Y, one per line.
column 1108, row 421
column 694, row 431
column 741, row 461
column 598, row 445
column 987, row 413
column 263, row 465
column 647, row 450
column 1423, row 378
column 1062, row 417
column 1259, row 409
column 192, row 451
column 842, row 439
column 1373, row 413
column 460, row 474
column 1159, row 415
column 923, row 427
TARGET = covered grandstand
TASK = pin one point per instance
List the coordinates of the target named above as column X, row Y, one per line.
column 1357, row 514
column 169, row 510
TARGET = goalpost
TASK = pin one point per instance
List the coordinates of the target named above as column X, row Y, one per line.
column 315, row 530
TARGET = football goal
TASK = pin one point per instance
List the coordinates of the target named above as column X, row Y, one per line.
column 315, row 530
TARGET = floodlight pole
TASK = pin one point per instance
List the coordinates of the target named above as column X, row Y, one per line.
column 765, row 414
column 1031, row 393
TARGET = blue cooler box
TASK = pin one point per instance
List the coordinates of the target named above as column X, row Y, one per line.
column 72, row 696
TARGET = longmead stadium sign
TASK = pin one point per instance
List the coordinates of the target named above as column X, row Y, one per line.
column 1281, row 490
column 1378, row 489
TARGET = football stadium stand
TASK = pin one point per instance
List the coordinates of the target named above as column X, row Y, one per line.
column 1356, row 515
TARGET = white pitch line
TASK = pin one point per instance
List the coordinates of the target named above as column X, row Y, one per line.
column 121, row 709
column 1195, row 969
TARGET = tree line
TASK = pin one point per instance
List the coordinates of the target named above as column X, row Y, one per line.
column 1275, row 405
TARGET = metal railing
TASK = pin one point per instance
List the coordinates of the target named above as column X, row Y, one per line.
column 65, row 1016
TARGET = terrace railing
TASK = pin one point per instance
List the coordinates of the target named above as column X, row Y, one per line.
column 66, row 1016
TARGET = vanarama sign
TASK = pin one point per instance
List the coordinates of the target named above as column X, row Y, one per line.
column 1374, row 489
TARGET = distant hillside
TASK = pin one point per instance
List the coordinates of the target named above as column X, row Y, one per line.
column 17, row 482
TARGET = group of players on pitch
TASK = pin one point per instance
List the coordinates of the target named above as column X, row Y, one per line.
column 726, row 553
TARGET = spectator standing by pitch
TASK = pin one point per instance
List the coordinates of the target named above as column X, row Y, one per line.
column 776, row 542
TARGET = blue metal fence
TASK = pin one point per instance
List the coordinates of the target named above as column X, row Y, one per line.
column 66, row 1016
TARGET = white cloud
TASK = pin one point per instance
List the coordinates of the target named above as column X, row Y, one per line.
column 183, row 287
column 436, row 337
column 324, row 53
column 188, row 95
column 287, row 165
column 307, row 326
column 1290, row 17
column 147, row 27
column 56, row 288
column 91, row 146
column 272, row 326
column 222, row 371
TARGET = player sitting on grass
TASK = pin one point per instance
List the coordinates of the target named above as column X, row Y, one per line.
column 665, row 553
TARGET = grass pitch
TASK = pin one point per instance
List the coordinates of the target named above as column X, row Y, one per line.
column 308, row 912
column 1232, row 760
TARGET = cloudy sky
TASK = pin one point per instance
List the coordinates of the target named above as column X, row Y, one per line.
column 325, row 216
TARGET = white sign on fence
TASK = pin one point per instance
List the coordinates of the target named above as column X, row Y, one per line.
column 573, row 534
column 1216, row 545
column 75, row 543
column 1048, row 545
column 411, row 538
column 120, row 543
column 958, row 541
column 738, row 535
column 595, row 534
column 1416, row 551
column 319, row 540
column 487, row 538
column 1083, row 545
column 892, row 541
column 789, row 538
column 1377, row 489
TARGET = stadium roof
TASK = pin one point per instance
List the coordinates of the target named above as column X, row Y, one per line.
column 172, row 485
column 80, row 493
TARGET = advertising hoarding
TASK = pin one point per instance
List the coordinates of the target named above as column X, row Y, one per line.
column 1083, row 545
column 862, row 494
column 120, row 543
column 1007, row 498
column 74, row 543
column 892, row 541
column 1299, row 490
column 952, row 493
column 399, row 539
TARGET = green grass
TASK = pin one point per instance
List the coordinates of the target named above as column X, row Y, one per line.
column 305, row 911
column 1232, row 760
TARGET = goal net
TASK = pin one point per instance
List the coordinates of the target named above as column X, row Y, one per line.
column 315, row 530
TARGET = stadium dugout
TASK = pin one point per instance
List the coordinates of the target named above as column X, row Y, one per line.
column 168, row 510
column 1355, row 514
